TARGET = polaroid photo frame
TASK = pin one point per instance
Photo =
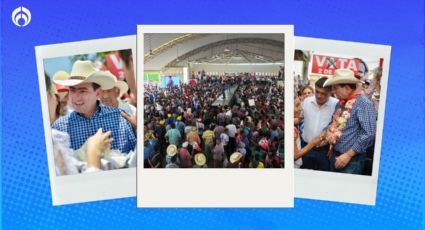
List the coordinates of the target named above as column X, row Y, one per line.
column 334, row 186
column 92, row 186
column 216, row 187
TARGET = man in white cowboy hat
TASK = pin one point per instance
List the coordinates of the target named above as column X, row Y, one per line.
column 353, row 128
column 235, row 160
column 85, row 83
column 200, row 161
column 171, row 159
column 111, row 97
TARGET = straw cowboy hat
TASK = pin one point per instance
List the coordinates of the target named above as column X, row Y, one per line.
column 60, row 75
column 200, row 159
column 84, row 72
column 342, row 76
column 121, row 85
column 61, row 90
column 235, row 157
column 171, row 150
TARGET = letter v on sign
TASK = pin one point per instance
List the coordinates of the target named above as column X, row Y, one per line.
column 320, row 60
column 117, row 63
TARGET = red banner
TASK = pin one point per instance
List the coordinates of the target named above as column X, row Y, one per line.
column 326, row 65
column 115, row 65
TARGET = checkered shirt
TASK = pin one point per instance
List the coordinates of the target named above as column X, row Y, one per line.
column 80, row 128
column 359, row 134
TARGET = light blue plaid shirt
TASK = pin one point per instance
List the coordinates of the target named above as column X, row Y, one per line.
column 359, row 134
column 80, row 128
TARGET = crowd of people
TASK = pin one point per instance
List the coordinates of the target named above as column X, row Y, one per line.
column 335, row 123
column 92, row 128
column 229, row 121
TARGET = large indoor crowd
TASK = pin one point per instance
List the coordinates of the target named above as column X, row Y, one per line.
column 228, row 121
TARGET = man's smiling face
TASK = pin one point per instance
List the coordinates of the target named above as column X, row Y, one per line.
column 83, row 98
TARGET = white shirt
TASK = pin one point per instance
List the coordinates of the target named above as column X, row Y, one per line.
column 232, row 130
column 130, row 109
column 224, row 139
column 316, row 119
column 229, row 113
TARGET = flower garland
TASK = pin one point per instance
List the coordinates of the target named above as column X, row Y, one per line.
column 340, row 119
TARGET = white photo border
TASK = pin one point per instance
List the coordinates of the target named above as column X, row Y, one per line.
column 218, row 187
column 340, row 187
column 94, row 186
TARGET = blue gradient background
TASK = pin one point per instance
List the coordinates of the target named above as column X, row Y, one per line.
column 26, row 198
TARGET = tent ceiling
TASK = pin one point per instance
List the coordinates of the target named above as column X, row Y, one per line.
column 234, row 51
column 180, row 50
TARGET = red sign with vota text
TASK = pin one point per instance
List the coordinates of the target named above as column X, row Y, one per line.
column 327, row 65
column 115, row 65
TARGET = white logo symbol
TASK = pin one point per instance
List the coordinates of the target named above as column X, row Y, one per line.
column 21, row 16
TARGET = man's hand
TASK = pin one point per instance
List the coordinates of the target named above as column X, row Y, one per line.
column 322, row 138
column 97, row 144
column 342, row 160
column 99, row 141
column 316, row 141
column 131, row 119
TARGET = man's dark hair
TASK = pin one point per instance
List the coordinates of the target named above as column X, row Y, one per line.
column 95, row 86
column 48, row 82
column 352, row 86
column 320, row 83
column 172, row 125
column 125, row 56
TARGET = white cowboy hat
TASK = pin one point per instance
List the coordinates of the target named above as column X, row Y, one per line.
column 235, row 157
column 60, row 75
column 342, row 76
column 83, row 72
column 200, row 159
column 171, row 150
column 61, row 90
column 121, row 85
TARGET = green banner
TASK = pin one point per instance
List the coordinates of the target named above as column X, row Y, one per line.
column 153, row 76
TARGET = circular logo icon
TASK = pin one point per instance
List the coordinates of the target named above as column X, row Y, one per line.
column 21, row 16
